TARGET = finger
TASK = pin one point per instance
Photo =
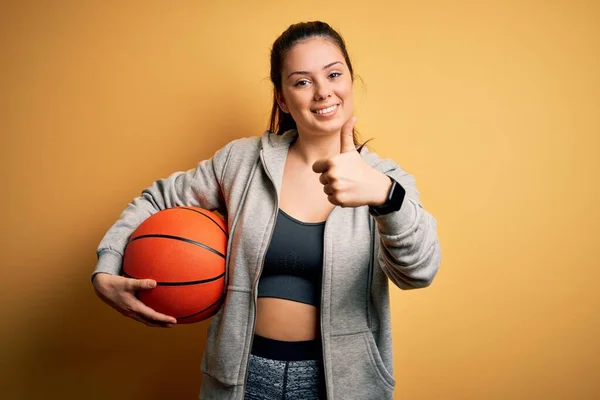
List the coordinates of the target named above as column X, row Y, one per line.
column 321, row 165
column 347, row 137
column 143, row 320
column 328, row 190
column 133, row 285
column 324, row 179
column 154, row 324
column 148, row 313
column 333, row 200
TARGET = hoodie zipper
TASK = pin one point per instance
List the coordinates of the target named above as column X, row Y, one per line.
column 322, row 297
column 371, row 267
column 260, row 268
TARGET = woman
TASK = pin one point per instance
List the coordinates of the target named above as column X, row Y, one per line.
column 317, row 227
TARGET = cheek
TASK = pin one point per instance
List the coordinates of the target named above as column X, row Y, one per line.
column 345, row 91
column 299, row 100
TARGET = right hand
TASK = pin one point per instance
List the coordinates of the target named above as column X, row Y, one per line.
column 119, row 293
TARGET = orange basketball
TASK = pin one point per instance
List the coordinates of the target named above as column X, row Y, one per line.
column 183, row 249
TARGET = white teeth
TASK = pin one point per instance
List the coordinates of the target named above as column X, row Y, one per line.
column 325, row 110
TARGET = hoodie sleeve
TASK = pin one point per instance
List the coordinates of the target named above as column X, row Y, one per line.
column 409, row 251
column 199, row 187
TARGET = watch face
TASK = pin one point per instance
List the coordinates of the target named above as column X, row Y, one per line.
column 397, row 196
column 393, row 202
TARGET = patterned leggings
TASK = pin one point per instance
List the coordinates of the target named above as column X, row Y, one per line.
column 285, row 370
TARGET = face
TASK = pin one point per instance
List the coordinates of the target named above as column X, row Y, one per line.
column 316, row 87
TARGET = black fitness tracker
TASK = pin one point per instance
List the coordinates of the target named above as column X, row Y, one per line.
column 393, row 202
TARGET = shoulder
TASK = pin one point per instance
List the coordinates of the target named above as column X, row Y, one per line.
column 246, row 143
column 243, row 144
column 237, row 149
column 236, row 156
column 383, row 165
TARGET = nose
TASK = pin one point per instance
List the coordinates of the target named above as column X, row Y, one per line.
column 322, row 91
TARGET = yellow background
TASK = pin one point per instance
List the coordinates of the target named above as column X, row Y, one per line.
column 494, row 106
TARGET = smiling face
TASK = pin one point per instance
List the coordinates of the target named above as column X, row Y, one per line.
column 316, row 87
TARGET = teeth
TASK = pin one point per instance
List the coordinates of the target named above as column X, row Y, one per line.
column 326, row 110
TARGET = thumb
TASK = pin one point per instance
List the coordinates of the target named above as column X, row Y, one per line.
column 347, row 137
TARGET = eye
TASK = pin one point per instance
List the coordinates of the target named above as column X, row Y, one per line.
column 300, row 83
column 335, row 74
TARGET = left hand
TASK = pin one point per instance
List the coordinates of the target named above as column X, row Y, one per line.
column 348, row 181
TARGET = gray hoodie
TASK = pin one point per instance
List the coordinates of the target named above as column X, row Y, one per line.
column 361, row 254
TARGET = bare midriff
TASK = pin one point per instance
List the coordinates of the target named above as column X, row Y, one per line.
column 286, row 320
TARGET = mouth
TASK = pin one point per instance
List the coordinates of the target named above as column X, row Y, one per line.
column 326, row 110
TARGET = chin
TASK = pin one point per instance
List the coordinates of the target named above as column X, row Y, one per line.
column 325, row 130
column 328, row 127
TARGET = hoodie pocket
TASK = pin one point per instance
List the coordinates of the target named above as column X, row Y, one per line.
column 377, row 360
column 358, row 370
column 226, row 341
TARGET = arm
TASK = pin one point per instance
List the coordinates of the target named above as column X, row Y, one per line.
column 198, row 187
column 409, row 251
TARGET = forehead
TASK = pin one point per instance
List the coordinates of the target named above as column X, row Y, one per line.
column 312, row 55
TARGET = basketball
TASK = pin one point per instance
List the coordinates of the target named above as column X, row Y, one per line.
column 183, row 249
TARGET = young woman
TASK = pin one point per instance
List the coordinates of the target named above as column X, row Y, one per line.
column 318, row 226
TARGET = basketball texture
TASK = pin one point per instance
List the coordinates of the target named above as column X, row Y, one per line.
column 183, row 249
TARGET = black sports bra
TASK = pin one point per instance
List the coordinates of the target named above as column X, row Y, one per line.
column 294, row 261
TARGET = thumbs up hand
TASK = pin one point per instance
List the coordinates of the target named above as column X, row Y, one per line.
column 347, row 180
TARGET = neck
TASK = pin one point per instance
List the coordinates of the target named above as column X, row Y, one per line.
column 310, row 148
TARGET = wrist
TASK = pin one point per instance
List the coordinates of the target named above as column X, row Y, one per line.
column 393, row 202
column 97, row 278
column 382, row 191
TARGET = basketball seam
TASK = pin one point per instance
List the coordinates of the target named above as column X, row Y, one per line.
column 200, row 312
column 190, row 241
column 185, row 283
column 207, row 216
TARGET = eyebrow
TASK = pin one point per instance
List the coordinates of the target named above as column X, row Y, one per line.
column 306, row 72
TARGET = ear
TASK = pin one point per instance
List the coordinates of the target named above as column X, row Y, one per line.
column 281, row 102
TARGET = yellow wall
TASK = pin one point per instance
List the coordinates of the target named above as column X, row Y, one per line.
column 493, row 106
